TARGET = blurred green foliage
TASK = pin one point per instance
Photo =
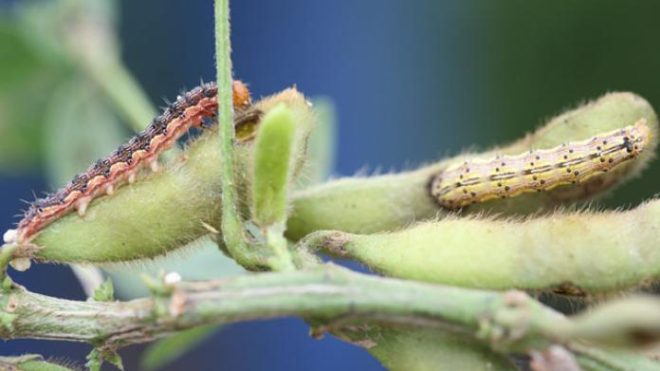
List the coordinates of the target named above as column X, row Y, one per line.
column 25, row 74
column 322, row 146
column 51, row 115
column 167, row 350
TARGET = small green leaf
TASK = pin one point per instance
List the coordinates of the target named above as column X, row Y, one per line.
column 24, row 76
column 115, row 359
column 167, row 350
column 272, row 160
column 105, row 292
column 94, row 360
column 96, row 357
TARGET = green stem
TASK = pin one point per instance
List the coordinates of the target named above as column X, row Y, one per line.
column 335, row 297
column 6, row 254
column 232, row 225
column 325, row 294
column 608, row 359
column 282, row 259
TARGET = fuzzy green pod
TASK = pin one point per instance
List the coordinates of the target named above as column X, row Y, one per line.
column 393, row 201
column 165, row 210
column 576, row 254
column 271, row 176
column 631, row 322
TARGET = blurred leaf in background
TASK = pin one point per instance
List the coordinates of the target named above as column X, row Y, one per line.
column 169, row 349
column 322, row 146
column 35, row 64
column 78, row 128
column 26, row 77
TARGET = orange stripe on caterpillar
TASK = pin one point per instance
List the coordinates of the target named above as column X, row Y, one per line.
column 106, row 175
column 478, row 180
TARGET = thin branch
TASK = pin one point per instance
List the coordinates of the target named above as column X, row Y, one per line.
column 230, row 218
column 6, row 255
column 232, row 225
column 326, row 294
column 332, row 297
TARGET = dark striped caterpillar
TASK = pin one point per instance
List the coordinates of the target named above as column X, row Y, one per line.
column 189, row 111
column 478, row 180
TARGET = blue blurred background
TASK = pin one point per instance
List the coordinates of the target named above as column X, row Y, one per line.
column 411, row 82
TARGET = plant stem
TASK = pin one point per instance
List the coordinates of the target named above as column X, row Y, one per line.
column 232, row 226
column 327, row 293
column 6, row 253
column 333, row 297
